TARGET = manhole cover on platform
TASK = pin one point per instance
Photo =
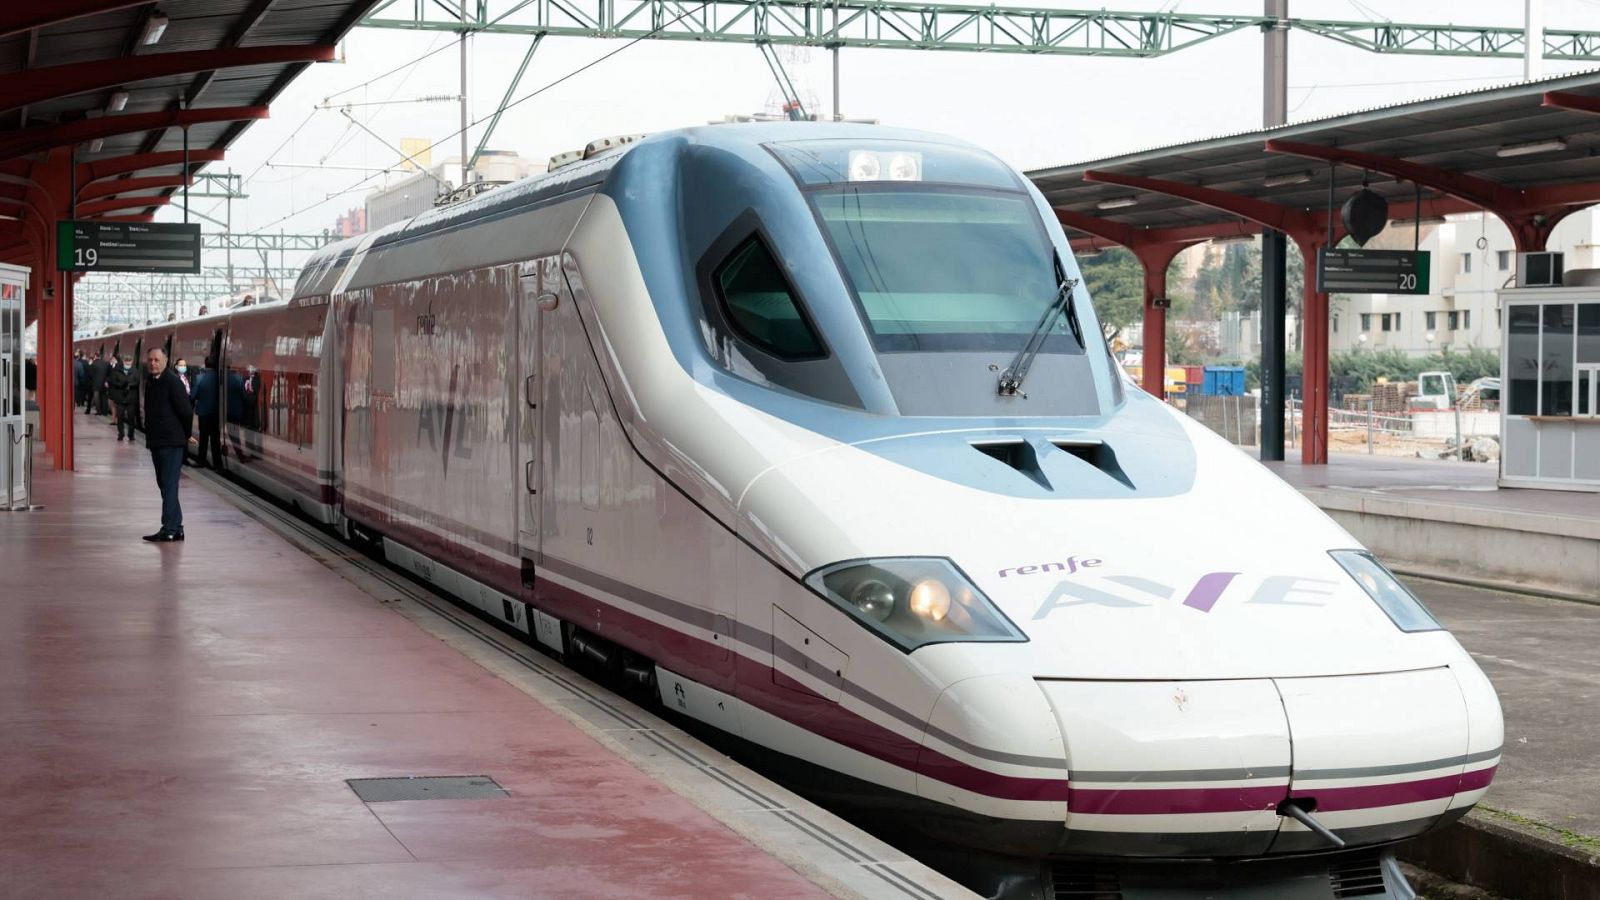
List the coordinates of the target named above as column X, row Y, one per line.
column 434, row 787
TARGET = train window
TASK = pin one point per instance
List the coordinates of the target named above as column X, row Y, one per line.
column 760, row 305
column 756, row 324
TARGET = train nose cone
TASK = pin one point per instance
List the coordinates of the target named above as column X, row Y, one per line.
column 1385, row 757
column 1199, row 768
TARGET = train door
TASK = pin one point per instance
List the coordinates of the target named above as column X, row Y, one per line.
column 327, row 437
column 541, row 281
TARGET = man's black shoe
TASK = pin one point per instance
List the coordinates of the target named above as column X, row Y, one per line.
column 164, row 537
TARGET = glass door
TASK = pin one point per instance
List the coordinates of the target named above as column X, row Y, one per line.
column 1588, row 393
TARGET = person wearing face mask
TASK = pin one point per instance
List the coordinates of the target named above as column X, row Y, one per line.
column 182, row 365
column 122, row 386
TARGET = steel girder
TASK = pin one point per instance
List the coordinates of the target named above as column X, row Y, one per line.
column 927, row 26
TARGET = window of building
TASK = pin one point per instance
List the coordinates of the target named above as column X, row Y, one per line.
column 1430, row 319
column 1396, row 321
column 1453, row 319
column 1466, row 262
column 1466, row 319
column 1336, row 324
column 1556, row 355
column 1503, row 259
column 1553, row 359
column 1588, row 355
column 1366, row 321
column 1385, row 320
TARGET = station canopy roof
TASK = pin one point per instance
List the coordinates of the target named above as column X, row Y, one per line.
column 1528, row 149
column 130, row 74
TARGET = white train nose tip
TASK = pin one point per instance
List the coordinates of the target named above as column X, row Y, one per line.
column 1206, row 767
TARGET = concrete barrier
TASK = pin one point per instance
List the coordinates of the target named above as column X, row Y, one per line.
column 1510, row 859
column 1507, row 549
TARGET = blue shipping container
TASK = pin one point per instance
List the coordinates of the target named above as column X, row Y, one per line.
column 1225, row 381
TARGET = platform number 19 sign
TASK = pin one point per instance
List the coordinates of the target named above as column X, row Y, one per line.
column 94, row 246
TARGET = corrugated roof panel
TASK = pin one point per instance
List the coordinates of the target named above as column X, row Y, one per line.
column 192, row 25
column 1459, row 132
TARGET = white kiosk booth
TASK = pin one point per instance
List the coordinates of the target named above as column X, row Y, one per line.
column 1550, row 388
column 14, row 446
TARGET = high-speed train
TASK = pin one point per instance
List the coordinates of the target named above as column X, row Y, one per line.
column 813, row 428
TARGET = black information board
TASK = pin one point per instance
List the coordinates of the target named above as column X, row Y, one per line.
column 1372, row 271
column 87, row 246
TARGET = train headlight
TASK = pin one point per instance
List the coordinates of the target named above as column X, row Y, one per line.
column 913, row 601
column 875, row 165
column 1400, row 605
column 930, row 599
column 873, row 598
column 905, row 167
column 865, row 166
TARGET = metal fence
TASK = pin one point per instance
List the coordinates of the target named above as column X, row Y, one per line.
column 1232, row 417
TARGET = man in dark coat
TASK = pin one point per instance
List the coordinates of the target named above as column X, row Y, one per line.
column 123, row 386
column 99, row 371
column 168, row 417
column 80, row 378
column 206, row 408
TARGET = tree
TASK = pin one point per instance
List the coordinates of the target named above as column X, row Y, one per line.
column 1115, row 280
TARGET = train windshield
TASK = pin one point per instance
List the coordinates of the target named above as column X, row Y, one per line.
column 941, row 268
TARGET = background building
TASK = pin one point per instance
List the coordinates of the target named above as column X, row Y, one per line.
column 1473, row 256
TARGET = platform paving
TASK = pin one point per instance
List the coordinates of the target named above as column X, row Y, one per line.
column 1469, row 484
column 1449, row 520
column 179, row 721
column 1541, row 654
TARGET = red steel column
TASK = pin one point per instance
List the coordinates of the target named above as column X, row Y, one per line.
column 54, row 177
column 45, row 323
column 1154, row 367
column 1314, row 360
column 1155, row 258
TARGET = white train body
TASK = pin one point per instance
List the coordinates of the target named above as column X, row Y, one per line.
column 681, row 396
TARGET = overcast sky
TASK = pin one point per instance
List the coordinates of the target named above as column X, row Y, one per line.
column 1032, row 111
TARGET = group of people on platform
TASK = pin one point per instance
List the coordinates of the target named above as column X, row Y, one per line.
column 108, row 384
column 173, row 398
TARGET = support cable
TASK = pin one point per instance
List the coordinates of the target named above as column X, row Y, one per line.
column 517, row 102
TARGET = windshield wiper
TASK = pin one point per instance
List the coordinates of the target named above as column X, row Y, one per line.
column 1064, row 301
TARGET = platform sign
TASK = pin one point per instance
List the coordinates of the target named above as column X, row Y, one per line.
column 128, row 247
column 1372, row 271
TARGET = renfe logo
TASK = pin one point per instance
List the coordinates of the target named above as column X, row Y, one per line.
column 1071, row 566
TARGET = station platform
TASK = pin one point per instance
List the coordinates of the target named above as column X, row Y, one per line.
column 182, row 720
column 1449, row 519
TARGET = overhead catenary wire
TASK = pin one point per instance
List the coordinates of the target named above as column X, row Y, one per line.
column 517, row 102
column 376, row 78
